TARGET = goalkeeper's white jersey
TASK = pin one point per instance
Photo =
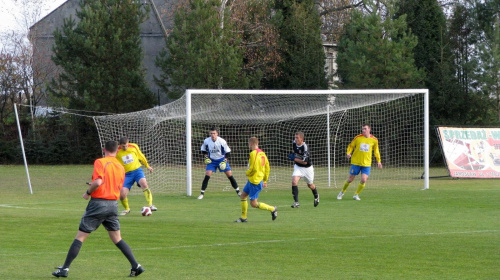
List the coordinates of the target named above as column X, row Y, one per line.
column 216, row 150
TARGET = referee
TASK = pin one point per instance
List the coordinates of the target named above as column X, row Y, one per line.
column 104, row 191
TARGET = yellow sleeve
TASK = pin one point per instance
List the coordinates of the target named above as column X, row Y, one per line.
column 376, row 152
column 140, row 156
column 267, row 171
column 251, row 164
column 351, row 146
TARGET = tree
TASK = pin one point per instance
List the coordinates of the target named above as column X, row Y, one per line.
column 376, row 53
column 487, row 74
column 254, row 24
column 101, row 58
column 202, row 51
column 301, row 46
column 426, row 20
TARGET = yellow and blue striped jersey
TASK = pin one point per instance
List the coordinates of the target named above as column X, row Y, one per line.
column 258, row 167
column 361, row 148
column 131, row 158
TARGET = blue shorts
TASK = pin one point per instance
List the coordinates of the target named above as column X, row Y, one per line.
column 214, row 165
column 355, row 169
column 253, row 190
column 133, row 176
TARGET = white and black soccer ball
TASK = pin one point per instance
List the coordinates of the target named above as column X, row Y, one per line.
column 146, row 211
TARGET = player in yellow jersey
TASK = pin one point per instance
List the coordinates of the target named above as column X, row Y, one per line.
column 360, row 152
column 257, row 174
column 131, row 157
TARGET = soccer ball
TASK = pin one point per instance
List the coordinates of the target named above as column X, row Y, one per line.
column 146, row 211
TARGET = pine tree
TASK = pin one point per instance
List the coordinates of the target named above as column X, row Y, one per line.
column 302, row 54
column 201, row 51
column 426, row 20
column 101, row 57
column 377, row 54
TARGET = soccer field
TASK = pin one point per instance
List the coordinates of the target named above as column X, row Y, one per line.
column 451, row 231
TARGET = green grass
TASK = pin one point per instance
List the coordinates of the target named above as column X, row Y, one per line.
column 451, row 231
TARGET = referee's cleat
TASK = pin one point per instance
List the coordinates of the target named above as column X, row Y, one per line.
column 356, row 197
column 241, row 220
column 201, row 196
column 137, row 271
column 124, row 212
column 153, row 208
column 61, row 272
column 295, row 205
column 316, row 201
column 274, row 213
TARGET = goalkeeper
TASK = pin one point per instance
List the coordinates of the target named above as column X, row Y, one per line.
column 216, row 153
column 130, row 156
column 360, row 152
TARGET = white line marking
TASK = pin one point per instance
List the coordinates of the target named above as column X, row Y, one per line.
column 265, row 241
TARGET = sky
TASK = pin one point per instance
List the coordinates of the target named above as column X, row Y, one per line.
column 11, row 12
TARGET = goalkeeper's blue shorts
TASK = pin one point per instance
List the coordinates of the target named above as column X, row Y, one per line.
column 355, row 169
column 214, row 165
column 133, row 176
column 253, row 190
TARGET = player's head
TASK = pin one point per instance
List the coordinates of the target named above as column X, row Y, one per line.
column 124, row 143
column 299, row 137
column 214, row 133
column 253, row 143
column 111, row 146
column 366, row 129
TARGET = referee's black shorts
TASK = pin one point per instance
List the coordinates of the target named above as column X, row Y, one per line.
column 100, row 211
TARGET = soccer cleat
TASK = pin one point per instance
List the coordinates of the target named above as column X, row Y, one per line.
column 200, row 197
column 153, row 208
column 137, row 271
column 295, row 205
column 356, row 197
column 274, row 213
column 124, row 212
column 238, row 192
column 61, row 272
column 316, row 201
column 241, row 220
column 340, row 195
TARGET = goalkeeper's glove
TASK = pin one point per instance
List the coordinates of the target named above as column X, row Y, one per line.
column 207, row 160
column 291, row 157
column 222, row 164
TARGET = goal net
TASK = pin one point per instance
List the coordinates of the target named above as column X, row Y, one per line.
column 170, row 136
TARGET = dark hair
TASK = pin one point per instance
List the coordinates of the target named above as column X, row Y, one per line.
column 123, row 140
column 111, row 146
column 213, row 128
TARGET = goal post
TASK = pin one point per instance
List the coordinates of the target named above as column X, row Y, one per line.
column 171, row 135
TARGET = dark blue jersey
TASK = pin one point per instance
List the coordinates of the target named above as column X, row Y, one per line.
column 302, row 152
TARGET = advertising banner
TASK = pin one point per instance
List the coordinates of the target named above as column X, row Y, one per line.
column 471, row 152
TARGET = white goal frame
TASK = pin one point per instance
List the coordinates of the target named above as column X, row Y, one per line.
column 190, row 92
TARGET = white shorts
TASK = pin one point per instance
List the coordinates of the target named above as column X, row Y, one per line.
column 304, row 172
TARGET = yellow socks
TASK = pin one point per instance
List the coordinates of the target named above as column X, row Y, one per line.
column 346, row 185
column 125, row 204
column 360, row 188
column 148, row 195
column 244, row 208
column 264, row 206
